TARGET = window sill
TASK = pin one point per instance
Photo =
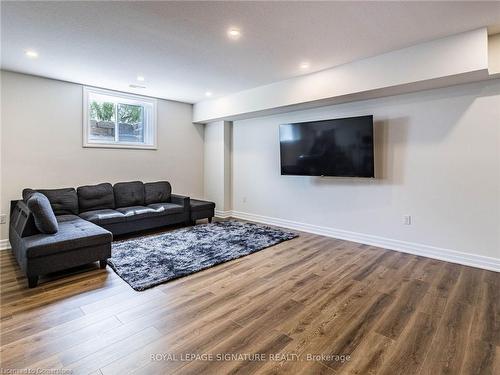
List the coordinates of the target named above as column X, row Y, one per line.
column 120, row 145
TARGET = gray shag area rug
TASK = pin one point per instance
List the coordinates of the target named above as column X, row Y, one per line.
column 152, row 260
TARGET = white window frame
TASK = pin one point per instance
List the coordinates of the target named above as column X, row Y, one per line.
column 150, row 129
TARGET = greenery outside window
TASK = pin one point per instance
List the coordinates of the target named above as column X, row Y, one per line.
column 113, row 119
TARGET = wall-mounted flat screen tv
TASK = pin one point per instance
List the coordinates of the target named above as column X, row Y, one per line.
column 339, row 147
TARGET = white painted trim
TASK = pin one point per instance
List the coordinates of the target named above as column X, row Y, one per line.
column 223, row 214
column 473, row 260
column 4, row 244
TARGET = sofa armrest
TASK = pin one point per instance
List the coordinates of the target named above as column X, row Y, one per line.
column 21, row 220
column 180, row 199
column 13, row 205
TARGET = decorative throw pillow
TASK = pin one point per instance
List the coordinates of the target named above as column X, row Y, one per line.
column 27, row 193
column 45, row 220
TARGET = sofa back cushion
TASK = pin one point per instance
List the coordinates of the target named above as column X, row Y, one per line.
column 63, row 201
column 129, row 194
column 96, row 197
column 45, row 220
column 157, row 192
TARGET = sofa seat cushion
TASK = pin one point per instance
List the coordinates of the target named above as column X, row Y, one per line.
column 63, row 218
column 138, row 212
column 96, row 197
column 73, row 233
column 128, row 194
column 167, row 208
column 103, row 217
column 199, row 205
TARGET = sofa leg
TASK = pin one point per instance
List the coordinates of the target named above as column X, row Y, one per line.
column 32, row 281
column 209, row 219
column 103, row 264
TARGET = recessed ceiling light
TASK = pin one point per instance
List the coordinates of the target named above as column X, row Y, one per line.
column 136, row 86
column 140, row 78
column 304, row 65
column 208, row 93
column 234, row 33
column 31, row 54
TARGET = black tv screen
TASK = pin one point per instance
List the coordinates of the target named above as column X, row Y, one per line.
column 340, row 147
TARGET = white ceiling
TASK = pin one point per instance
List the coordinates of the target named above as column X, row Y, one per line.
column 182, row 50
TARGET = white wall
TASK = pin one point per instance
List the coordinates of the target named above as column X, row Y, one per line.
column 217, row 164
column 214, row 163
column 41, row 144
column 437, row 159
column 228, row 165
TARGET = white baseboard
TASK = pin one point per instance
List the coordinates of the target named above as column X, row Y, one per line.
column 223, row 214
column 4, row 244
column 479, row 261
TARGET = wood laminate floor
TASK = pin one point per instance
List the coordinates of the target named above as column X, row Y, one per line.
column 300, row 307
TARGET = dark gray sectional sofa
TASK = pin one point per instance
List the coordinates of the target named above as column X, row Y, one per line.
column 87, row 218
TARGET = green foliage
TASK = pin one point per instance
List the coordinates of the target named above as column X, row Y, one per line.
column 129, row 114
column 102, row 112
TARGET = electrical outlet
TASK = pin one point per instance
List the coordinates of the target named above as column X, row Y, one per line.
column 3, row 219
column 407, row 220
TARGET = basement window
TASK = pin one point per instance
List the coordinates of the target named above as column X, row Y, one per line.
column 118, row 120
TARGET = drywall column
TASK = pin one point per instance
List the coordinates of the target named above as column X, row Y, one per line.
column 494, row 55
column 217, row 171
